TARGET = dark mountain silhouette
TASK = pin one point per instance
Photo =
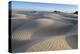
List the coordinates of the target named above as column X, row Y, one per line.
column 56, row 11
column 76, row 12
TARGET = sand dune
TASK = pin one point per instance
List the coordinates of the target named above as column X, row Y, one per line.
column 53, row 43
column 56, row 43
column 43, row 32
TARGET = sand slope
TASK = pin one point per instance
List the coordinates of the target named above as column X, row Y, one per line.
column 50, row 32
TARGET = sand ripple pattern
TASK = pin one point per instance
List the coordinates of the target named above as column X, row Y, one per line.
column 45, row 32
column 53, row 43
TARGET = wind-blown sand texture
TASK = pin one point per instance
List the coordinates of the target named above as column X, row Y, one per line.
column 47, row 32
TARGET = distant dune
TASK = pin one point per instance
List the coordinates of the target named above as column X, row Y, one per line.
column 19, row 16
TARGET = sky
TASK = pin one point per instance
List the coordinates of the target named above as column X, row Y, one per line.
column 33, row 6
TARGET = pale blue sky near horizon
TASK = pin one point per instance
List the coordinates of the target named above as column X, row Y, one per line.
column 35, row 6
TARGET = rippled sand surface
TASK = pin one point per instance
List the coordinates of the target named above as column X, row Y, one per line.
column 47, row 32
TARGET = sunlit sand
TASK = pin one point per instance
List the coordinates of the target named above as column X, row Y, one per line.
column 46, row 33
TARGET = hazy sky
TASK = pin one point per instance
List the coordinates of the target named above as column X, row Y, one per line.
column 43, row 6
